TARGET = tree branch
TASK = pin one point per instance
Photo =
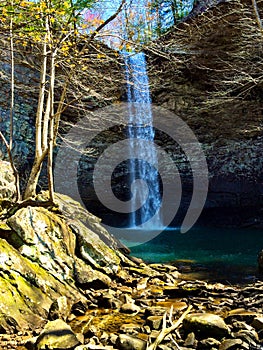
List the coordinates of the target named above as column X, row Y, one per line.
column 165, row 331
column 111, row 18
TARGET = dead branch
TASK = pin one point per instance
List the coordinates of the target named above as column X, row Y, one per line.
column 165, row 331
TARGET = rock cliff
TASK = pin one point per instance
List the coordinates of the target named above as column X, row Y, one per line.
column 207, row 72
column 49, row 253
column 209, row 75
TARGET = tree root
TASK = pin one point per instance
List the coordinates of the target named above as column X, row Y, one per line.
column 12, row 207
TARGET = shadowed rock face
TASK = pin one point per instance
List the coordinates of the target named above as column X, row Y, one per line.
column 200, row 58
column 205, row 55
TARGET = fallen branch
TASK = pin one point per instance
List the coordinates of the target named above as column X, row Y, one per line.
column 165, row 331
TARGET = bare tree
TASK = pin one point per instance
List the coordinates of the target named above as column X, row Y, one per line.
column 46, row 36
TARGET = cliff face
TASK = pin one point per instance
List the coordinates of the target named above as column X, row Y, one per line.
column 89, row 89
column 210, row 76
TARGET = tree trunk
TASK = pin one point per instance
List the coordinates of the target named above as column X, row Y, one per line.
column 51, row 128
column 40, row 153
column 30, row 191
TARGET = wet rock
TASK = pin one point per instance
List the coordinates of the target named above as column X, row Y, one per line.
column 21, row 292
column 43, row 262
column 190, row 340
column 154, row 322
column 43, row 232
column 155, row 311
column 93, row 250
column 126, row 342
column 71, row 209
column 130, row 308
column 230, row 344
column 207, row 344
column 176, row 305
column 206, row 325
column 56, row 335
column 130, row 328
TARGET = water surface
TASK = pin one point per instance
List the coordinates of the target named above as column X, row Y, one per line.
column 218, row 254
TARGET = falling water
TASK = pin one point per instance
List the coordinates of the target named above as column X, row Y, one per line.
column 143, row 161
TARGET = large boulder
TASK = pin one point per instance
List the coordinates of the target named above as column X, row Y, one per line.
column 47, row 254
column 57, row 335
column 27, row 291
column 206, row 324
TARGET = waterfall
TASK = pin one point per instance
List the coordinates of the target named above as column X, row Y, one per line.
column 143, row 160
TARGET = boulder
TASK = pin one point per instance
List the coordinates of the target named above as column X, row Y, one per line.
column 155, row 311
column 60, row 308
column 127, row 342
column 154, row 322
column 46, row 262
column 130, row 328
column 93, row 250
column 27, row 291
column 73, row 209
column 46, row 240
column 7, row 182
column 206, row 325
column 190, row 340
column 57, row 335
column 130, row 308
